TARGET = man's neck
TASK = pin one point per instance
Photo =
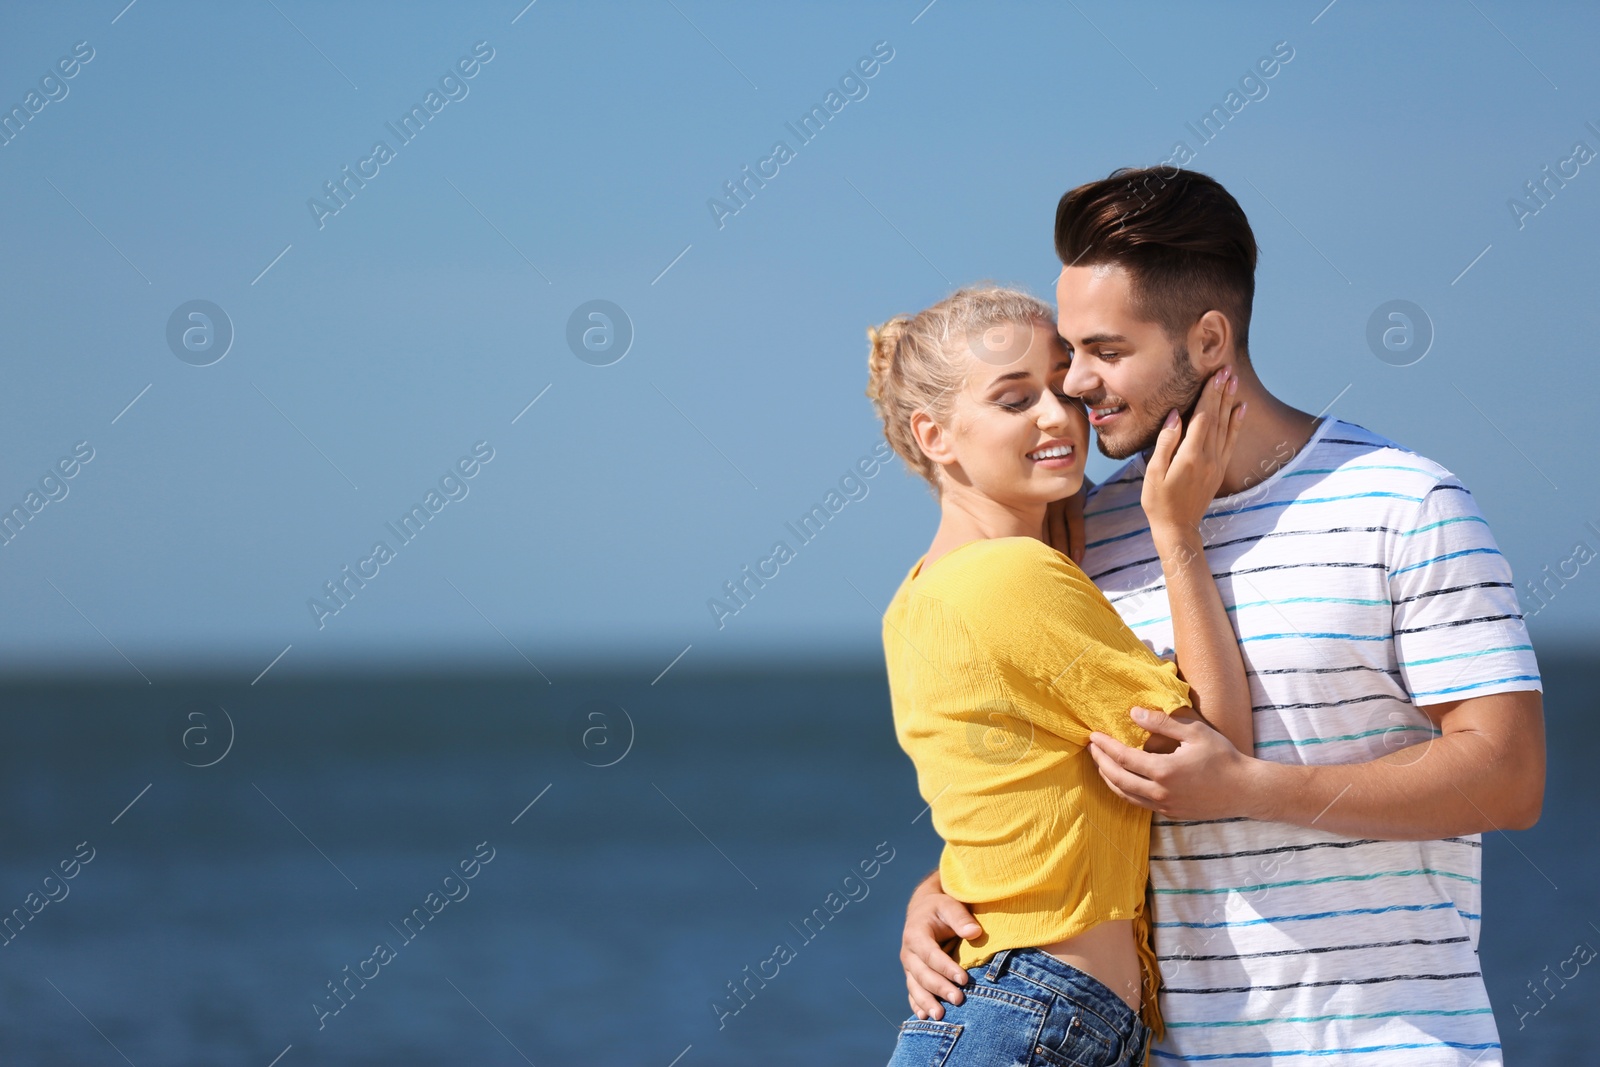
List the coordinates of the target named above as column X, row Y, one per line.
column 1273, row 434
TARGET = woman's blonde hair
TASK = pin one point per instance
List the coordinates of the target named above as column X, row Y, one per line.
column 919, row 362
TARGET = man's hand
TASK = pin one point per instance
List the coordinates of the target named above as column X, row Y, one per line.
column 1484, row 771
column 931, row 918
column 1204, row 777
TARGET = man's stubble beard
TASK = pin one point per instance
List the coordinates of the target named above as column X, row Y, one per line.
column 1181, row 390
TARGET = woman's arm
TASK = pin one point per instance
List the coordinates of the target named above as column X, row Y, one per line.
column 1181, row 478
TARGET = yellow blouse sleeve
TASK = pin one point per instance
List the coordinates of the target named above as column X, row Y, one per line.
column 1071, row 664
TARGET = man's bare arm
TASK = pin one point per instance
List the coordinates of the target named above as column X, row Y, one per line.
column 931, row 918
column 1485, row 771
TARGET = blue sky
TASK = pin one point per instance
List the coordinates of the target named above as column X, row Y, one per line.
column 375, row 346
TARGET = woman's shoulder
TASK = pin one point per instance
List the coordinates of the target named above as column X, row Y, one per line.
column 999, row 573
column 1016, row 600
column 996, row 558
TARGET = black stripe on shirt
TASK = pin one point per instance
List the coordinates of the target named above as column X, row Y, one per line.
column 1324, row 670
column 1216, row 575
column 1251, row 539
column 1292, row 566
column 1457, row 622
column 1296, row 848
column 1334, row 981
column 1270, row 851
column 1314, row 951
column 1453, row 589
column 1329, row 703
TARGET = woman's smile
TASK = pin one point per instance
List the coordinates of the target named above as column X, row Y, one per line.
column 1055, row 455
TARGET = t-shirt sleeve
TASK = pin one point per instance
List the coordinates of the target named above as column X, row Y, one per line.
column 1069, row 661
column 1458, row 629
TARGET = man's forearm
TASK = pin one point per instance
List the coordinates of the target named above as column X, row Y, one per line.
column 930, row 884
column 1458, row 783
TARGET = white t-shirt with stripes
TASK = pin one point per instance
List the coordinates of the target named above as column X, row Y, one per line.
column 1362, row 582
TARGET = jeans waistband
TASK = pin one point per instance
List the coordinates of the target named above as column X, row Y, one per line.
column 1066, row 980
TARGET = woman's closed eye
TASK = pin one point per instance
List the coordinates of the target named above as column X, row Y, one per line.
column 1015, row 402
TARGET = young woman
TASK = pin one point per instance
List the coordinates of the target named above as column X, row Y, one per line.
column 1003, row 658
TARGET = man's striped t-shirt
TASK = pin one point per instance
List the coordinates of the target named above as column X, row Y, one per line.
column 1362, row 582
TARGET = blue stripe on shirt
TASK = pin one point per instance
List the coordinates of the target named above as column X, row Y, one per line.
column 1474, row 685
column 1445, row 522
column 1345, row 737
column 1466, row 655
column 1340, row 637
column 1361, row 467
column 1209, row 890
column 1330, row 1018
column 1287, row 600
column 1313, row 915
column 1447, row 555
column 1469, row 1046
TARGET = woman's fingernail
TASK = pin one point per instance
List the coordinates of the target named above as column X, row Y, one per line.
column 1172, row 419
column 1140, row 715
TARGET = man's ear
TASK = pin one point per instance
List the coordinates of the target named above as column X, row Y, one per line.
column 933, row 439
column 1210, row 343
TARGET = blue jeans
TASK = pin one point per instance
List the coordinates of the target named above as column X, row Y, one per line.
column 1027, row 1007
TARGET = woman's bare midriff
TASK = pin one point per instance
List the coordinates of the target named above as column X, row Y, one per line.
column 1106, row 953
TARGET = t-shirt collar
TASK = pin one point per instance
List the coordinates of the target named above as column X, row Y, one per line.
column 1244, row 496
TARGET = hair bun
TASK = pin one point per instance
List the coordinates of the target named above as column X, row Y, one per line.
column 880, row 359
column 918, row 363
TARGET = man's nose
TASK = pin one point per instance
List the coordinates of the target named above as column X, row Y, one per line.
column 1080, row 381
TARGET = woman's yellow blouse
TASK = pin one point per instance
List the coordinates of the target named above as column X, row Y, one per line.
column 1002, row 658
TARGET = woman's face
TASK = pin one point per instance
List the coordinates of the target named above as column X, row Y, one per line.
column 1013, row 434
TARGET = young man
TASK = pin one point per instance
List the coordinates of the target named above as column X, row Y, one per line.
column 1319, row 897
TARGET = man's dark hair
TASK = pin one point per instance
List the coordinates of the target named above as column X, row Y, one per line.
column 1182, row 237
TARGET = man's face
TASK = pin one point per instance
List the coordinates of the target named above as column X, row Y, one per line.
column 1125, row 369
